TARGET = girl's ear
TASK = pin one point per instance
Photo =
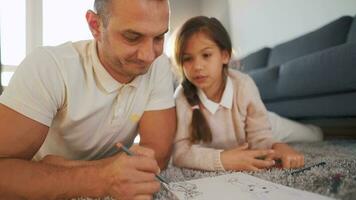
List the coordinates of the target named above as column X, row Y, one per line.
column 225, row 56
column 94, row 23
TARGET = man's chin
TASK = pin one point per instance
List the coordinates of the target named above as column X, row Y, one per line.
column 141, row 69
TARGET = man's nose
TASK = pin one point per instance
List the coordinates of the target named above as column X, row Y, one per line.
column 146, row 52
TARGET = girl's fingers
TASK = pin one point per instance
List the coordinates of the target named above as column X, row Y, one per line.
column 263, row 163
column 262, row 154
column 243, row 146
column 254, row 169
column 302, row 162
column 286, row 162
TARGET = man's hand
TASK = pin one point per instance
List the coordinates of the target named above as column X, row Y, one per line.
column 242, row 158
column 290, row 157
column 131, row 177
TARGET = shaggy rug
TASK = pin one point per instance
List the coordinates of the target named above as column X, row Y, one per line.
column 336, row 179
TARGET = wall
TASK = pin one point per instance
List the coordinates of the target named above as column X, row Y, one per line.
column 256, row 23
column 182, row 10
column 218, row 9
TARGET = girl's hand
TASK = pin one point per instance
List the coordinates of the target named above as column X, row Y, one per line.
column 242, row 158
column 290, row 157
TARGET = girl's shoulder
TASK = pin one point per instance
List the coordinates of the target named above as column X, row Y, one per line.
column 179, row 97
column 239, row 79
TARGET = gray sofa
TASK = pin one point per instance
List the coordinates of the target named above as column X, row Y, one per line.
column 311, row 78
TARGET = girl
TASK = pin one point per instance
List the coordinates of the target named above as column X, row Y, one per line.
column 222, row 122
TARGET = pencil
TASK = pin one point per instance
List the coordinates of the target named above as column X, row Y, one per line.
column 307, row 168
column 129, row 153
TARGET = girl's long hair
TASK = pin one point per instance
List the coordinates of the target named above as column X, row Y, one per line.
column 213, row 29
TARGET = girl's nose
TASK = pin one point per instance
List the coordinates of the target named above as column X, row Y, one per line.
column 198, row 64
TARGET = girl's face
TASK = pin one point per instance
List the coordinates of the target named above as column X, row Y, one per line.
column 203, row 62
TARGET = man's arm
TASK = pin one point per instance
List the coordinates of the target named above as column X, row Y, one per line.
column 157, row 130
column 20, row 138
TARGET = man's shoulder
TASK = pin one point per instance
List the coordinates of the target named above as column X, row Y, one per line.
column 69, row 49
column 161, row 62
column 161, row 67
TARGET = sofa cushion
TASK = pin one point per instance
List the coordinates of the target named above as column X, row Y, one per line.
column 352, row 33
column 332, row 34
column 328, row 106
column 266, row 80
column 255, row 60
column 326, row 72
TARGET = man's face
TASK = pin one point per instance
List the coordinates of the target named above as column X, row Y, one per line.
column 133, row 37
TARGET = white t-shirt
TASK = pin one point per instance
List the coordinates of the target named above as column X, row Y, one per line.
column 87, row 111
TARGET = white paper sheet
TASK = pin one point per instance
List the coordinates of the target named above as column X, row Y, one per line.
column 238, row 186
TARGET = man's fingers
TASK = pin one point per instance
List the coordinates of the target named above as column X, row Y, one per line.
column 140, row 176
column 144, row 164
column 139, row 150
column 147, row 188
column 143, row 197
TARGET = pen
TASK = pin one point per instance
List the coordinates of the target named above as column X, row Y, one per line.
column 307, row 168
column 129, row 153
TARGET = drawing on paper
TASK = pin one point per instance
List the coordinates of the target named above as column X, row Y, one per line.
column 258, row 189
column 237, row 185
column 190, row 190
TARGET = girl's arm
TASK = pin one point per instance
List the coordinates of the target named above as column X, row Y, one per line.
column 242, row 159
column 257, row 126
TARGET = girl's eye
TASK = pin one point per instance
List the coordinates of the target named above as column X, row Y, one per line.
column 187, row 59
column 206, row 55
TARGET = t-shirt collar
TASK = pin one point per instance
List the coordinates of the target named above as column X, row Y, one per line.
column 226, row 100
column 104, row 78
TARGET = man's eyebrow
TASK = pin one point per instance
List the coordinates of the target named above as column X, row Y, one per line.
column 139, row 34
column 132, row 32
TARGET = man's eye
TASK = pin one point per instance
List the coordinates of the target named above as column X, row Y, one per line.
column 131, row 38
column 159, row 38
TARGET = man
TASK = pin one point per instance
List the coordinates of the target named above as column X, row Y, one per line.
column 69, row 108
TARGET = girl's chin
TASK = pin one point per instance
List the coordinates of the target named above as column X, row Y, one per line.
column 200, row 85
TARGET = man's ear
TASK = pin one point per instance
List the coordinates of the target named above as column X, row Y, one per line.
column 94, row 23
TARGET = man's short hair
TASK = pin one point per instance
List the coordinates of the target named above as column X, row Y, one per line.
column 101, row 8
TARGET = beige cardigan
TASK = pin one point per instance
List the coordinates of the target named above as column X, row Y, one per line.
column 250, row 124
